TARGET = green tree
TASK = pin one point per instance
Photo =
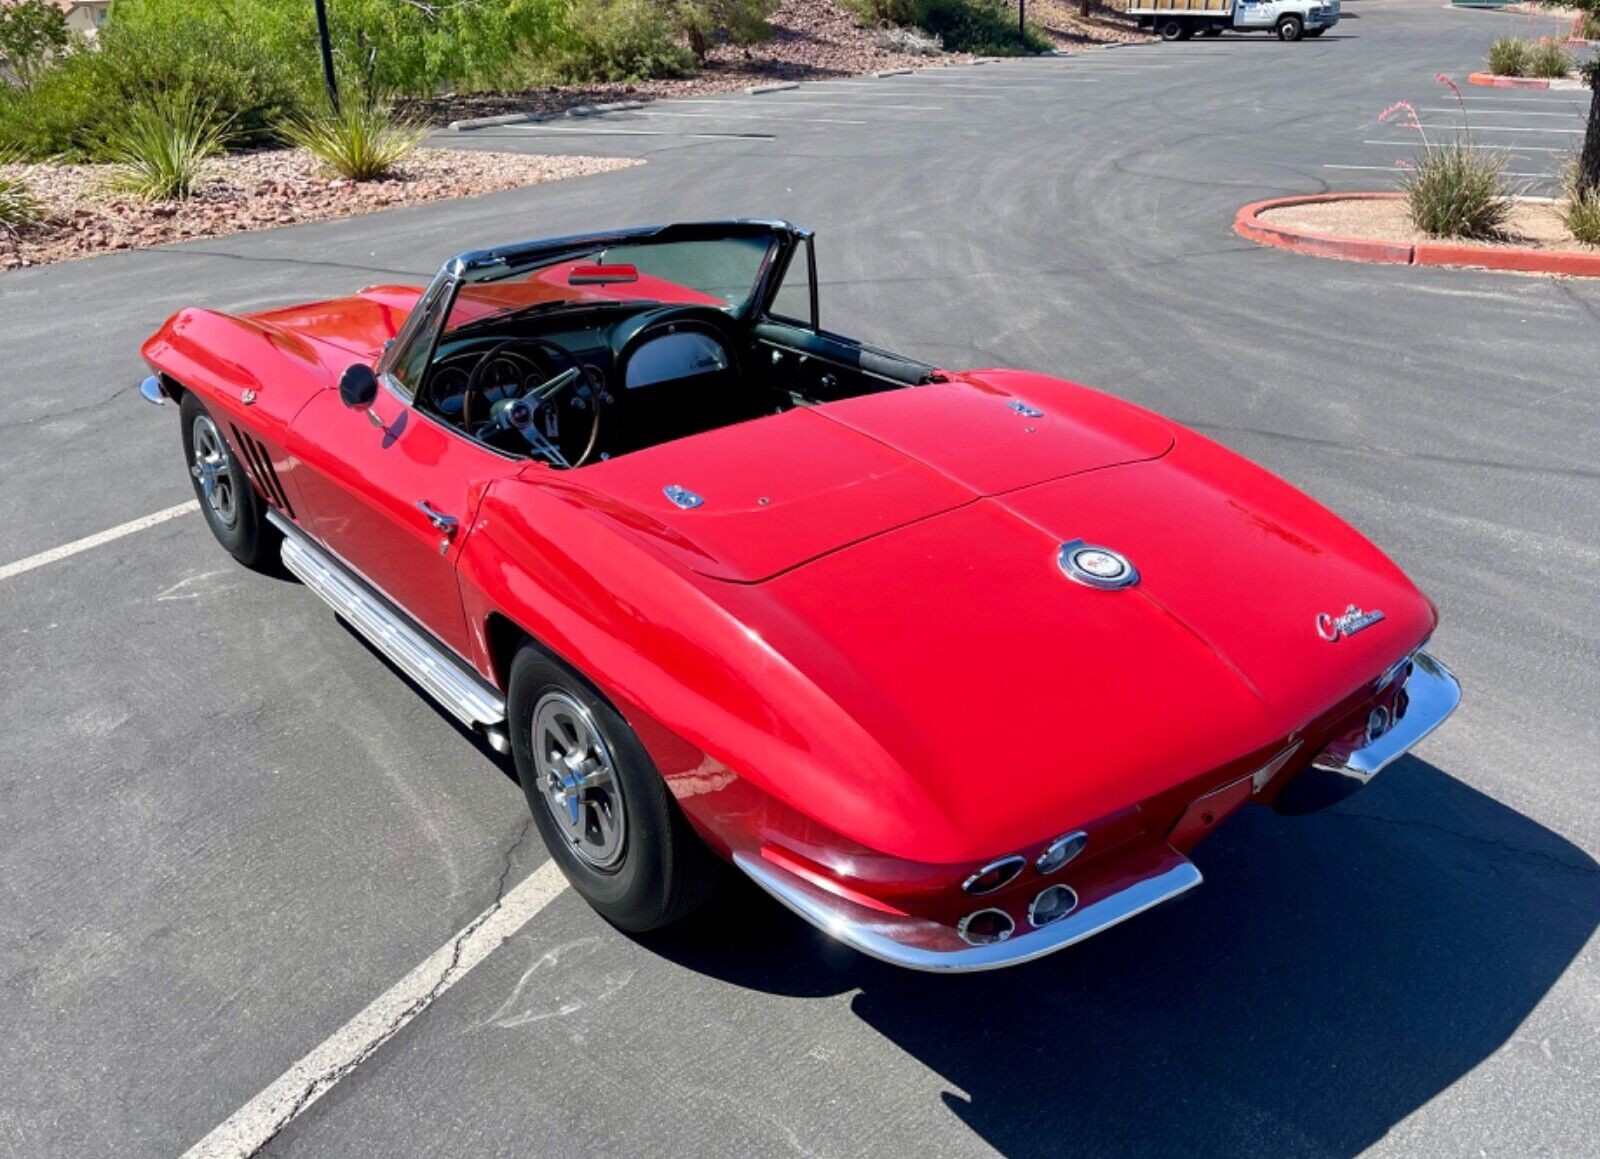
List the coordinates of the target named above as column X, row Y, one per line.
column 703, row 23
column 31, row 32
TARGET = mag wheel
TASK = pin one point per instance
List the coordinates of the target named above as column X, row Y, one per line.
column 232, row 510
column 1289, row 28
column 602, row 808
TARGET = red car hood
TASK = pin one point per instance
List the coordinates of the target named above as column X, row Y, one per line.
column 345, row 330
column 1022, row 703
column 784, row 490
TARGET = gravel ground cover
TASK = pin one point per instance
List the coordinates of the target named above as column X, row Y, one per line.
column 1533, row 225
column 257, row 190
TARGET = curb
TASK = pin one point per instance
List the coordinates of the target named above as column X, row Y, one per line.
column 1522, row 82
column 471, row 123
column 781, row 86
column 1248, row 224
column 892, row 72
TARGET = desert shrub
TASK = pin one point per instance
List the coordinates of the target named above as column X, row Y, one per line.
column 159, row 146
column 611, row 40
column 1549, row 58
column 31, row 33
column 363, row 140
column 1452, row 188
column 1588, row 26
column 1508, row 56
column 704, row 23
column 1581, row 210
column 19, row 208
column 76, row 105
column 982, row 26
column 1456, row 191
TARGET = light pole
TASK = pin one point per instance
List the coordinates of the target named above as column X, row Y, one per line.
column 327, row 55
column 1022, row 18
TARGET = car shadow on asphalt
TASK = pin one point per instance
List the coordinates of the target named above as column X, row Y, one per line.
column 1334, row 974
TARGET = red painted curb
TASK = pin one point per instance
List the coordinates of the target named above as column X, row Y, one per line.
column 1508, row 82
column 1523, row 260
column 1248, row 224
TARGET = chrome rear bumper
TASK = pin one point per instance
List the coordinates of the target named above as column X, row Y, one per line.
column 1158, row 875
column 1430, row 694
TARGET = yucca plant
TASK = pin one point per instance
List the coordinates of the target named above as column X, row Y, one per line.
column 1454, row 188
column 19, row 208
column 1508, row 56
column 1549, row 58
column 159, row 147
column 362, row 140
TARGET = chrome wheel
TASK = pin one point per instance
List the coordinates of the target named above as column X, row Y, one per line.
column 210, row 467
column 578, row 779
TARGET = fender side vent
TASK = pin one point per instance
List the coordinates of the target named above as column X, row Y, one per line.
column 260, row 464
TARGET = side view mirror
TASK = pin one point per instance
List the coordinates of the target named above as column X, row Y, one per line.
column 358, row 386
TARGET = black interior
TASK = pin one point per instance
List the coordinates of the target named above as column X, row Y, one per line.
column 581, row 384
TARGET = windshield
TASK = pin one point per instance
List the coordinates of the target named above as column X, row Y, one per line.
column 722, row 272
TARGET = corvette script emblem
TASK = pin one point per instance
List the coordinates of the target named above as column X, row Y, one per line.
column 1346, row 623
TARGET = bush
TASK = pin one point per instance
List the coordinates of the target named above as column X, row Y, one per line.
column 363, row 141
column 159, row 147
column 18, row 206
column 1581, row 213
column 703, row 23
column 981, row 26
column 1456, row 191
column 1549, row 58
column 1508, row 56
column 145, row 55
column 613, row 40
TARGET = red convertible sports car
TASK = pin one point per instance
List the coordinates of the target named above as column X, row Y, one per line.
column 958, row 666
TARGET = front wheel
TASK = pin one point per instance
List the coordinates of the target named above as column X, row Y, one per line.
column 1173, row 30
column 603, row 810
column 233, row 511
column 1290, row 28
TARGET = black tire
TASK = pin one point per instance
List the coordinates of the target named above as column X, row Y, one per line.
column 1290, row 28
column 240, row 521
column 1173, row 30
column 660, row 870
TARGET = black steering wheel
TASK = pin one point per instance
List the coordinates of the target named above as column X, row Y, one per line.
column 519, row 411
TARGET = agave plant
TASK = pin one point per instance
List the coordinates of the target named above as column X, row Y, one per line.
column 158, row 149
column 360, row 141
column 18, row 206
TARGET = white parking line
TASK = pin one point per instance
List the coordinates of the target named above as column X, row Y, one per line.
column 1506, row 129
column 1496, row 148
column 1570, row 114
column 253, row 1125
column 748, row 117
column 778, row 102
column 95, row 540
column 1395, row 170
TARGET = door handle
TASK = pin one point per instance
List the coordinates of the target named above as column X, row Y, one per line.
column 444, row 524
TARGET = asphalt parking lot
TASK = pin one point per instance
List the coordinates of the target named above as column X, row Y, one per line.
column 226, row 827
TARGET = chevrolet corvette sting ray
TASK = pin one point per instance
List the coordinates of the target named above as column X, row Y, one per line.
column 957, row 665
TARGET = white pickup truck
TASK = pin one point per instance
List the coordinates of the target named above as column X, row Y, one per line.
column 1181, row 19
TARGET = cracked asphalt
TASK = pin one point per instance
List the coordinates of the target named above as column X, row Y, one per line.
column 227, row 827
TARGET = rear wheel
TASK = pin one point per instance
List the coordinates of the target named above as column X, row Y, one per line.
column 603, row 810
column 233, row 511
column 1290, row 28
column 1173, row 30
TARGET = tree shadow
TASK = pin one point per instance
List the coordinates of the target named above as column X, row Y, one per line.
column 1334, row 974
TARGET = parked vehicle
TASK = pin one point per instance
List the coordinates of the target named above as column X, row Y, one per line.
column 1289, row 19
column 958, row 666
